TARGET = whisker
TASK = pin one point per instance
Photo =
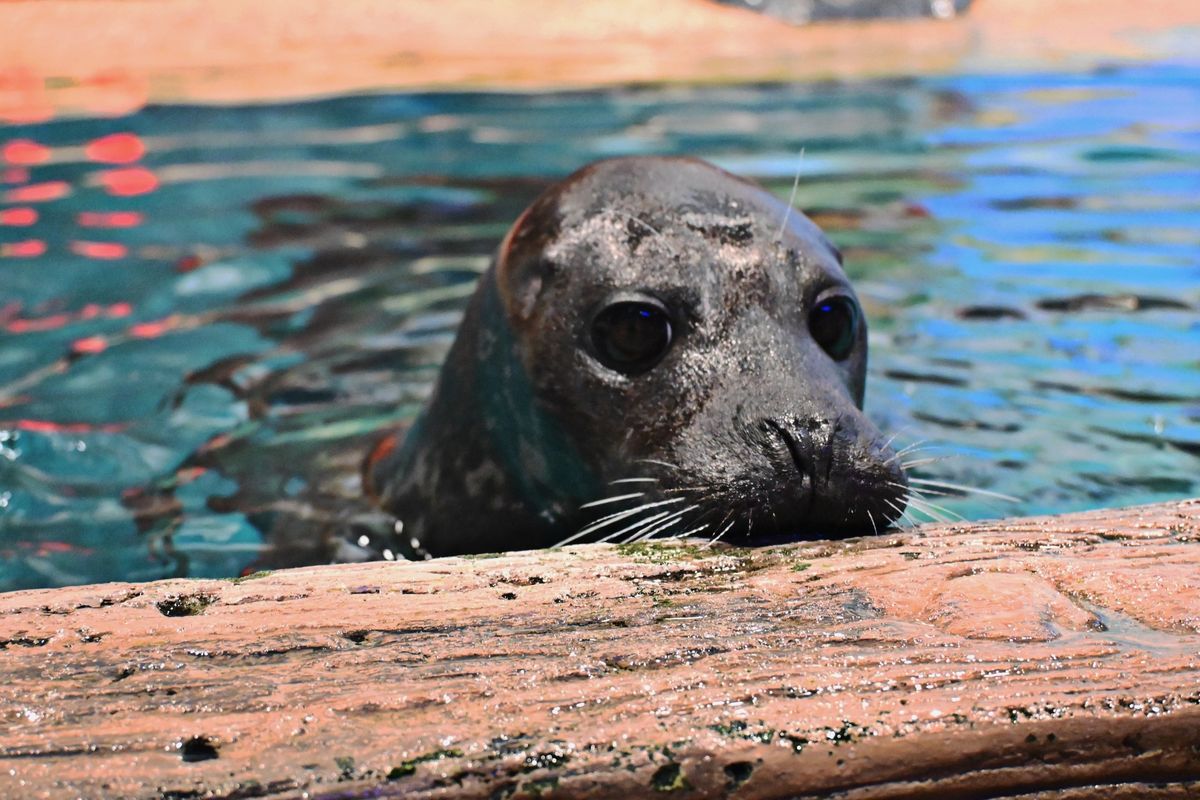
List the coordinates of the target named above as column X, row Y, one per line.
column 667, row 464
column 954, row 515
column 791, row 199
column 922, row 461
column 662, row 525
column 871, row 517
column 685, row 534
column 635, row 526
column 604, row 522
column 920, row 507
column 893, row 437
column 965, row 489
column 633, row 480
column 608, row 500
column 910, row 448
column 724, row 531
column 901, row 511
column 909, row 453
column 638, row 220
column 727, row 515
column 922, row 492
column 651, row 526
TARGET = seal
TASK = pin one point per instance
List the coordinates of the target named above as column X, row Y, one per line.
column 659, row 349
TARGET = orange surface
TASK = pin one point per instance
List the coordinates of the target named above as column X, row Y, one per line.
column 112, row 56
column 1038, row 657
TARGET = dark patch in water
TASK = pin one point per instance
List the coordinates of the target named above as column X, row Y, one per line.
column 1182, row 445
column 968, row 424
column 1151, row 483
column 1030, row 203
column 1112, row 302
column 1133, row 395
column 990, row 313
column 918, row 377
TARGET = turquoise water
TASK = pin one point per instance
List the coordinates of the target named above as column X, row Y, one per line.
column 205, row 313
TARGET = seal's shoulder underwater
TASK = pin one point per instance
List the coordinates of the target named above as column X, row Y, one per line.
column 659, row 348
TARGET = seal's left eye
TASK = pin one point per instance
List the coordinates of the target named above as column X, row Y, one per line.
column 834, row 323
column 631, row 336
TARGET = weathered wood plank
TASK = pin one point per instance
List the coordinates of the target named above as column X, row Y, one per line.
column 1024, row 658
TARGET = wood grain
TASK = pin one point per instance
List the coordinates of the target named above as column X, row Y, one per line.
column 1042, row 657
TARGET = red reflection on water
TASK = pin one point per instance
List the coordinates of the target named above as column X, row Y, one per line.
column 118, row 148
column 150, row 330
column 30, row 248
column 14, row 324
column 189, row 263
column 105, row 251
column 46, row 426
column 48, row 548
column 19, row 217
column 90, row 345
column 215, row 443
column 128, row 181
column 25, row 152
column 188, row 475
column 38, row 192
column 44, row 550
column 38, row 324
column 113, row 219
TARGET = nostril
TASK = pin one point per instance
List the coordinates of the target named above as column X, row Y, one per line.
column 802, row 463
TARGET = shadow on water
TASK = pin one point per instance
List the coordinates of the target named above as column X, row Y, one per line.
column 208, row 313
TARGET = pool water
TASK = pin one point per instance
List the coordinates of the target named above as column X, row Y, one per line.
column 206, row 313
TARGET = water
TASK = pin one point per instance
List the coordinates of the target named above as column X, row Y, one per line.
column 216, row 309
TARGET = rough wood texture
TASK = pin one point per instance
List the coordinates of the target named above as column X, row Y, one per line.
column 1024, row 658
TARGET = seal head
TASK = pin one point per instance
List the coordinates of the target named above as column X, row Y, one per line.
column 659, row 348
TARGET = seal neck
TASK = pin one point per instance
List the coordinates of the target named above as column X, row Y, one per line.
column 485, row 466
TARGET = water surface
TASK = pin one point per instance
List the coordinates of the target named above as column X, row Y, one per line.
column 206, row 313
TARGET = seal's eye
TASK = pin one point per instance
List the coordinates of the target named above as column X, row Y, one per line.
column 833, row 323
column 631, row 336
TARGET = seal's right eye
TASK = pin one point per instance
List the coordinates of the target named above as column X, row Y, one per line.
column 834, row 324
column 631, row 336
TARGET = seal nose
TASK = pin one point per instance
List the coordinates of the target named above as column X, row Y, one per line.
column 799, row 440
column 836, row 475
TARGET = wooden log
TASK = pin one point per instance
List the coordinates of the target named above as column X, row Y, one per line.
column 1055, row 656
